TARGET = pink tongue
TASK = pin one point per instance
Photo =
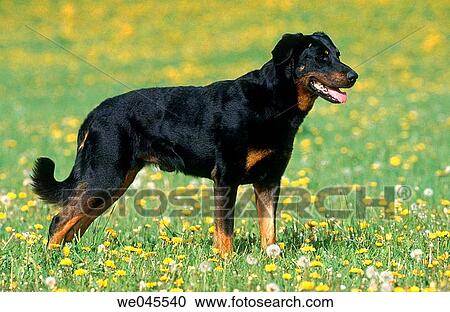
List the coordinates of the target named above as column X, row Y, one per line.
column 340, row 96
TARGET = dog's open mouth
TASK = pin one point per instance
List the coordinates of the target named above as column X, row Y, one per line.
column 333, row 95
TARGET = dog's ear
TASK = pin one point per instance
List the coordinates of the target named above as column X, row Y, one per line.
column 285, row 48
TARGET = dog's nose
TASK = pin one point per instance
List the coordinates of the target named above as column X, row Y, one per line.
column 352, row 76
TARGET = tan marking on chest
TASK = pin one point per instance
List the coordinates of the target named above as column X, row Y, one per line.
column 256, row 155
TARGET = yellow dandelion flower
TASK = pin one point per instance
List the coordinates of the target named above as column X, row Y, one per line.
column 306, row 285
column 2, row 215
column 211, row 229
column 164, row 278
column 177, row 240
column 307, row 248
column 286, row 276
column 315, row 275
column 66, row 262
column 361, row 251
column 71, row 138
column 22, row 195
column 286, row 216
column 367, row 262
column 11, row 195
column 156, row 176
column 168, row 261
column 80, row 272
column 120, row 273
column 110, row 264
column 363, row 225
column 66, row 251
column 151, row 284
column 176, row 289
column 102, row 283
column 37, row 226
column 356, row 271
column 322, row 287
column 272, row 267
column 395, row 160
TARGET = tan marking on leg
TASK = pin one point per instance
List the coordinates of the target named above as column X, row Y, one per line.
column 256, row 155
column 224, row 220
column 82, row 225
column 265, row 206
column 59, row 236
column 83, row 141
column 223, row 241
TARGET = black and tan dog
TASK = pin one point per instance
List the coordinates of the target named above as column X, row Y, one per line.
column 233, row 132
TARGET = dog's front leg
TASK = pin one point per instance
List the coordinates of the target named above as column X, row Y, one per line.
column 224, row 197
column 266, row 203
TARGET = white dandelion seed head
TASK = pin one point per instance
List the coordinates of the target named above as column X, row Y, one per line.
column 343, row 287
column 447, row 169
column 303, row 262
column 386, row 277
column 5, row 200
column 273, row 250
column 101, row 248
column 272, row 287
column 251, row 260
column 142, row 285
column 205, row 266
column 373, row 286
column 50, row 282
column 26, row 182
column 386, row 287
column 428, row 192
column 371, row 272
column 416, row 254
column 173, row 266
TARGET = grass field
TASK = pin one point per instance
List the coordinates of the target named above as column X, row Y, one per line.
column 393, row 131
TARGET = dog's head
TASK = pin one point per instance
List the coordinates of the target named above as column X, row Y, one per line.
column 312, row 63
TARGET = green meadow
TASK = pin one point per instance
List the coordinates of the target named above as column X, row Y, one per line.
column 60, row 59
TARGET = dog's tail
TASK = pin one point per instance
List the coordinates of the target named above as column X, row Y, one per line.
column 45, row 185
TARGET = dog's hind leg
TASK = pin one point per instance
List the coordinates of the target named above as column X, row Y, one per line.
column 88, row 202
column 104, row 172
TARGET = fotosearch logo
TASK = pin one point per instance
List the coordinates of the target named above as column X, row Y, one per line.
column 339, row 202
